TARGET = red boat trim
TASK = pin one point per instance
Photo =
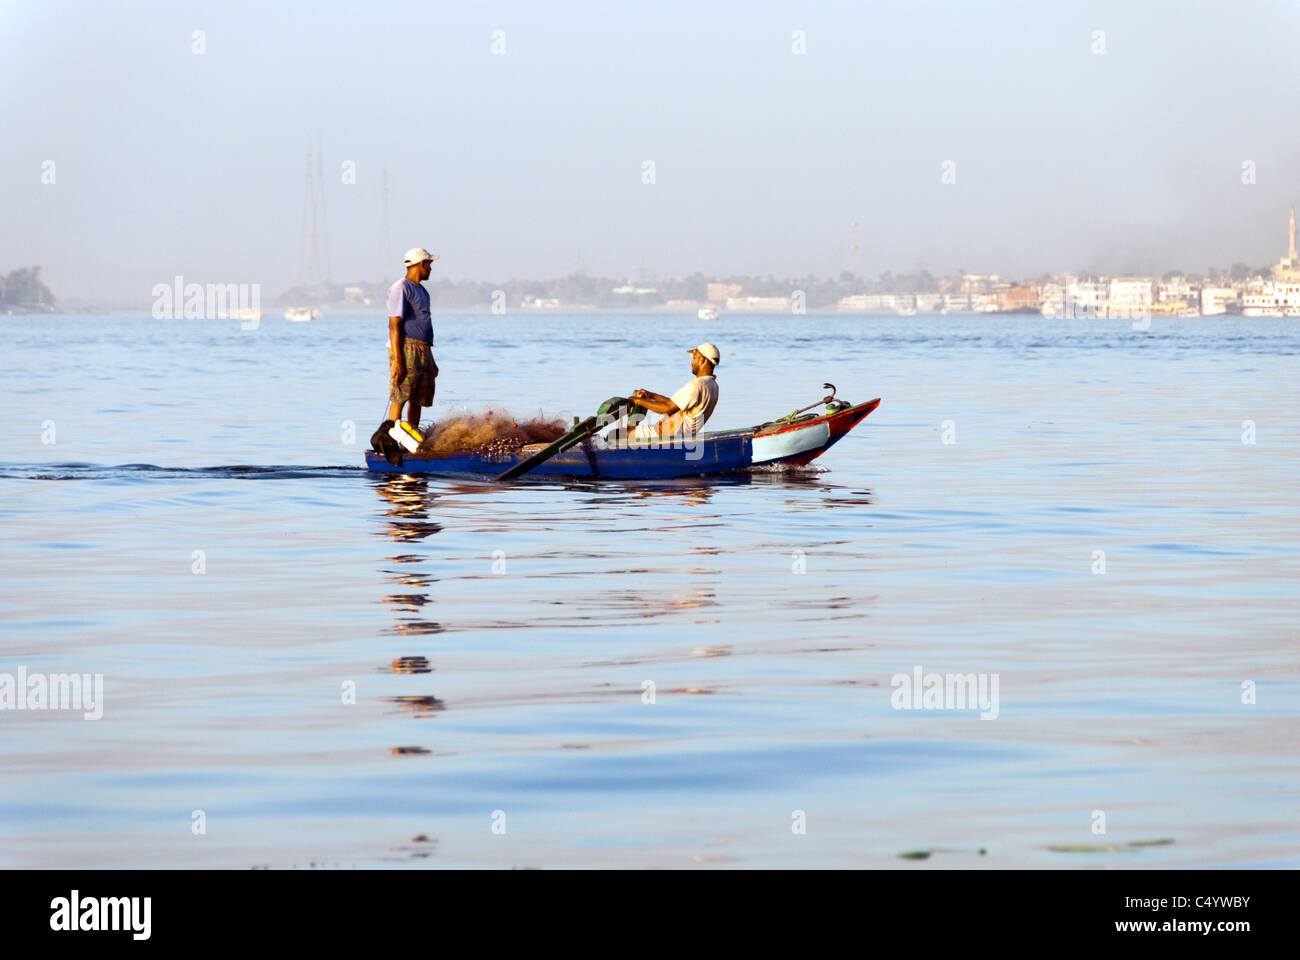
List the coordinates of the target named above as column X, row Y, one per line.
column 839, row 422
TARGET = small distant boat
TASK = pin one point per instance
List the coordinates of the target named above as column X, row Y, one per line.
column 301, row 314
column 708, row 313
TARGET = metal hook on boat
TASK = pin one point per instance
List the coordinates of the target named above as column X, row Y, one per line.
column 829, row 400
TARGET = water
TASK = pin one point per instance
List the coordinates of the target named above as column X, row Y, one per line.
column 543, row 608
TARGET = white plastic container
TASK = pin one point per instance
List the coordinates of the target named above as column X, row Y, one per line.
column 405, row 434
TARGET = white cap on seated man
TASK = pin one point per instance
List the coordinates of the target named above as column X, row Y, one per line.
column 687, row 410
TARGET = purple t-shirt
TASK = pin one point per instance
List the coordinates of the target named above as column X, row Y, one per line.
column 410, row 301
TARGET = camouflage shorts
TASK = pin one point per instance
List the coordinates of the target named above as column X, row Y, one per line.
column 418, row 384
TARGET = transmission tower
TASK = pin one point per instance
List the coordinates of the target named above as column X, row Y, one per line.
column 324, row 219
column 853, row 249
column 306, row 264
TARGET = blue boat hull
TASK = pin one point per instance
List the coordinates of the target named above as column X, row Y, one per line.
column 712, row 455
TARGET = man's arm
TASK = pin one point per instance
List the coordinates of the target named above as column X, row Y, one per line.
column 654, row 402
column 397, row 360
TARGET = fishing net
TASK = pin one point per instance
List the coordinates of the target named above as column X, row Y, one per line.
column 494, row 431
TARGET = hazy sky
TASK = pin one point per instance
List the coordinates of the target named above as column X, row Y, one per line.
column 527, row 163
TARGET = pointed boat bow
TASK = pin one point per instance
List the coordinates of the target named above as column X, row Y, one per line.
column 804, row 441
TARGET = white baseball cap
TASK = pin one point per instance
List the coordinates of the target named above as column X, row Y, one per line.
column 418, row 255
column 709, row 352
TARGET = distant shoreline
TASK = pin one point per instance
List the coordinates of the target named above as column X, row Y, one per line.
column 357, row 312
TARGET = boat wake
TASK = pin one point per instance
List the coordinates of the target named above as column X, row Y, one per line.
column 143, row 471
column 788, row 469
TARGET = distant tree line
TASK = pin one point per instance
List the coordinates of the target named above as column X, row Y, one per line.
column 23, row 288
column 1238, row 271
column 582, row 289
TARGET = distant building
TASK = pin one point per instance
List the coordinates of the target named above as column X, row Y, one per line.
column 1279, row 297
column 1018, row 298
column 903, row 304
column 721, row 292
column 1288, row 268
column 540, row 303
column 1176, row 288
column 1073, row 298
column 861, row 303
column 1088, row 297
column 1130, row 297
column 979, row 282
column 758, row 303
column 1216, row 301
column 1177, row 297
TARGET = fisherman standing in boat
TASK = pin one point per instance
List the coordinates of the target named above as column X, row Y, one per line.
column 687, row 410
column 412, row 370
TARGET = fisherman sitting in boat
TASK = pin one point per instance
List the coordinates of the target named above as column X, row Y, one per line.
column 687, row 410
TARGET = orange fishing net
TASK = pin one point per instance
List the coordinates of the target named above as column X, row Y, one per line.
column 495, row 431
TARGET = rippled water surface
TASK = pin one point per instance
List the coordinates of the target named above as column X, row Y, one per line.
column 770, row 611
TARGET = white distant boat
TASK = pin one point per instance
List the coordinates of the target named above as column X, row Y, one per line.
column 301, row 314
column 708, row 313
column 1272, row 299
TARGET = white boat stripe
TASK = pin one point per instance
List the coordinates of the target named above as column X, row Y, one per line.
column 778, row 446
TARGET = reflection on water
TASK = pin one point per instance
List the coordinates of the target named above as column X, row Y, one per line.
column 407, row 601
column 409, row 502
column 410, row 665
column 416, row 628
column 420, row 706
column 408, row 498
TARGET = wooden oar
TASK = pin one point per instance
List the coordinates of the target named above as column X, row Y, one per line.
column 571, row 439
